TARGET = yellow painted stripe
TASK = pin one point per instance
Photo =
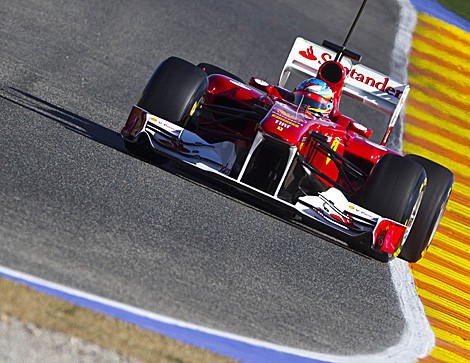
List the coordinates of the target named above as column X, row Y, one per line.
column 441, row 276
column 432, row 256
column 462, row 262
column 456, row 113
column 427, row 118
column 448, row 225
column 439, row 236
column 439, row 284
column 435, row 148
column 455, row 166
column 444, row 91
column 442, row 55
column 463, row 38
column 464, row 326
column 463, row 220
column 462, row 188
column 441, row 37
column 439, row 78
column 448, row 96
column 444, row 142
column 444, row 273
column 446, row 43
column 463, row 279
column 439, row 244
column 450, row 74
column 460, row 227
column 458, row 208
column 447, row 356
column 435, row 33
column 422, row 80
column 451, row 338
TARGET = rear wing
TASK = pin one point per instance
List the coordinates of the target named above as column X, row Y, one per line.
column 363, row 84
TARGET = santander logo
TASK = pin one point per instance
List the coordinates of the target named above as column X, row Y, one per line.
column 381, row 84
column 308, row 53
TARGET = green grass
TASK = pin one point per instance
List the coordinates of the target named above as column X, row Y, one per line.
column 460, row 7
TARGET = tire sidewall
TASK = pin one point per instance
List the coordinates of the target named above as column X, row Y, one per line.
column 175, row 88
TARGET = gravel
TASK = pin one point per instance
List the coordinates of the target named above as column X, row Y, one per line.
column 24, row 342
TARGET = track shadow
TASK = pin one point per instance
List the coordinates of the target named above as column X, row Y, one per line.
column 71, row 121
column 76, row 123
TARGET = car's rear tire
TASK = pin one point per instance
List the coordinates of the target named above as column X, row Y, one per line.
column 212, row 69
column 174, row 91
column 394, row 189
column 438, row 189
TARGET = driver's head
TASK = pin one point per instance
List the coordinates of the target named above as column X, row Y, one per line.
column 316, row 95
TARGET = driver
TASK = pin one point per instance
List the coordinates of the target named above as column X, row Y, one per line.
column 316, row 95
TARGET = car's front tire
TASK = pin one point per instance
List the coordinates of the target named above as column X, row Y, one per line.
column 439, row 187
column 174, row 91
column 394, row 189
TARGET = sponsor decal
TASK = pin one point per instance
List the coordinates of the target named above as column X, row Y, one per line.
column 284, row 122
column 361, row 211
column 285, row 113
column 308, row 53
column 168, row 126
column 287, row 117
column 380, row 84
column 174, row 145
column 282, row 125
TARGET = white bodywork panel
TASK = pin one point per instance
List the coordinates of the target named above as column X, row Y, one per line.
column 185, row 144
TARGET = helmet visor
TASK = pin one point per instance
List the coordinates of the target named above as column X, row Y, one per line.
column 313, row 101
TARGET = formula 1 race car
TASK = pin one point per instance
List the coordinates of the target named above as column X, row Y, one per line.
column 295, row 149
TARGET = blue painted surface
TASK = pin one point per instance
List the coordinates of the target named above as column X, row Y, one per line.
column 433, row 8
column 238, row 350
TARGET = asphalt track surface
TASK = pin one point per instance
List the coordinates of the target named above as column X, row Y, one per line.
column 76, row 209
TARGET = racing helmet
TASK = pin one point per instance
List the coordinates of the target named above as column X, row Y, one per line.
column 316, row 95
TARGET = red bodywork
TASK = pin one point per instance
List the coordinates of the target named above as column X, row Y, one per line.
column 289, row 124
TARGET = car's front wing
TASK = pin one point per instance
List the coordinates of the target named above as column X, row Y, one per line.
column 329, row 211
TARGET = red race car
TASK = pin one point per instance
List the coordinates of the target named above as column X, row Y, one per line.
column 295, row 150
